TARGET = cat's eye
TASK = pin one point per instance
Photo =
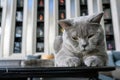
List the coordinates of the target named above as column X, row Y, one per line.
column 90, row 35
column 75, row 38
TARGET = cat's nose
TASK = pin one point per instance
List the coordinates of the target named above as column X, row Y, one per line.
column 84, row 45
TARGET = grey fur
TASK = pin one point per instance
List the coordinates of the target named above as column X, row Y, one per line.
column 82, row 42
column 58, row 43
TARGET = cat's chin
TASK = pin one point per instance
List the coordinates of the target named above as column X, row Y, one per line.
column 85, row 51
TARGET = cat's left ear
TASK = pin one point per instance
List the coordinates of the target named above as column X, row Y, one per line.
column 96, row 18
column 66, row 23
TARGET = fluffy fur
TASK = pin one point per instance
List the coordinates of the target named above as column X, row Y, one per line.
column 82, row 42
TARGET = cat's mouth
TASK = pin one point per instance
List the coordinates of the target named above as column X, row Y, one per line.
column 84, row 50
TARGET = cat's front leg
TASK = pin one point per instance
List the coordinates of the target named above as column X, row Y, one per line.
column 69, row 62
column 93, row 61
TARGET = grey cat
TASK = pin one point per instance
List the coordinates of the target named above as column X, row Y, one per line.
column 82, row 42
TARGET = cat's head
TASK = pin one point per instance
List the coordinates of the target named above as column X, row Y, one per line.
column 83, row 33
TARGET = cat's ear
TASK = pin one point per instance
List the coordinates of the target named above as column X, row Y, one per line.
column 66, row 23
column 96, row 18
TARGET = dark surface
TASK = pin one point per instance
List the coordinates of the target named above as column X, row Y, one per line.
column 22, row 72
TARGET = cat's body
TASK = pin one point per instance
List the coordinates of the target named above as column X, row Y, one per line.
column 82, row 43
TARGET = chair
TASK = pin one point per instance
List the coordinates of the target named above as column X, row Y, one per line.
column 114, row 60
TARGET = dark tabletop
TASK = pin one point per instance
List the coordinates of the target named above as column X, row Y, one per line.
column 33, row 71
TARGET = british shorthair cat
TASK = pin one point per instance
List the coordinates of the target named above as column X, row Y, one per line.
column 82, row 42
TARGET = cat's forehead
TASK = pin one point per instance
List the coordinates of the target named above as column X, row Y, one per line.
column 83, row 19
column 83, row 23
column 84, row 29
column 84, row 26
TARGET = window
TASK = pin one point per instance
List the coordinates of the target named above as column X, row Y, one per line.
column 83, row 7
column 40, row 26
column 61, row 13
column 108, row 25
column 18, row 26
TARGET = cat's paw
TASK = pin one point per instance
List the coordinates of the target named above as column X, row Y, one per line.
column 71, row 62
column 93, row 61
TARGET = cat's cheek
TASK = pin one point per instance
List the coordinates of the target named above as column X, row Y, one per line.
column 94, row 42
column 90, row 47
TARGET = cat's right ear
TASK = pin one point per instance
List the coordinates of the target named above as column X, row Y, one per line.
column 96, row 18
column 65, row 24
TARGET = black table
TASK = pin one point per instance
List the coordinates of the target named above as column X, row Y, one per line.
column 22, row 73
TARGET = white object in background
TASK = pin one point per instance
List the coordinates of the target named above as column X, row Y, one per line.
column 107, row 14
column 108, row 29
column 40, row 32
column 18, row 31
column 0, row 33
column 40, row 46
column 0, row 30
column 19, row 16
column 2, row 3
column 0, row 17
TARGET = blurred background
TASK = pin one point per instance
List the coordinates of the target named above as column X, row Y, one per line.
column 29, row 27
